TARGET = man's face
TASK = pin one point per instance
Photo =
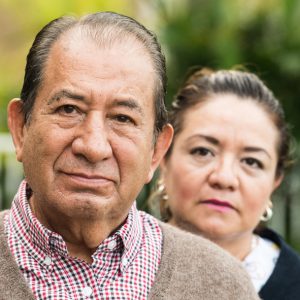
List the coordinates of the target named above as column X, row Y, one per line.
column 88, row 148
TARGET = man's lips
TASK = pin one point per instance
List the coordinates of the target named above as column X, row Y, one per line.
column 217, row 202
column 88, row 177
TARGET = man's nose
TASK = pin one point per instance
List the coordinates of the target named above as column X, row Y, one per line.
column 92, row 139
column 224, row 174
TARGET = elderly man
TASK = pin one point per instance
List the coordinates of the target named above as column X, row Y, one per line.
column 90, row 130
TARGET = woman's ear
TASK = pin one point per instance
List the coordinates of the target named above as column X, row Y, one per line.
column 16, row 124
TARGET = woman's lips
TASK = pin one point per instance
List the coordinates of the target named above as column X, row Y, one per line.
column 218, row 204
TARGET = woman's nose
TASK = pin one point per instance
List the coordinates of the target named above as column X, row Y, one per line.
column 224, row 174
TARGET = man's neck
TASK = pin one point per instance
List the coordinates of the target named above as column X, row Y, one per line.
column 82, row 236
column 83, row 240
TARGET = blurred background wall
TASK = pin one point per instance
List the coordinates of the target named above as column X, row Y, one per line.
column 262, row 36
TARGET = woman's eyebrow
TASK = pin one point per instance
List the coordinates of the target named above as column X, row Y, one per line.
column 257, row 149
column 208, row 138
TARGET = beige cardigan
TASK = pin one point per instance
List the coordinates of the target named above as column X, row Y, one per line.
column 191, row 268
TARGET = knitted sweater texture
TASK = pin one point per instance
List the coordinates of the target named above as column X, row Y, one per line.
column 191, row 268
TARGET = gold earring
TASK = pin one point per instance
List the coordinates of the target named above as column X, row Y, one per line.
column 161, row 189
column 267, row 215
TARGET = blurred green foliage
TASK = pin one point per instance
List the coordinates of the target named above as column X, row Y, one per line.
column 263, row 36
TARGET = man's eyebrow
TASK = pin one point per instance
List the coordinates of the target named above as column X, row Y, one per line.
column 64, row 94
column 130, row 103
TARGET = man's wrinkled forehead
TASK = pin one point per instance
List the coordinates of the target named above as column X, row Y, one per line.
column 74, row 48
column 105, row 37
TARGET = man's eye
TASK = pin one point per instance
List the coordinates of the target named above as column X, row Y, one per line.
column 124, row 119
column 253, row 162
column 201, row 151
column 67, row 109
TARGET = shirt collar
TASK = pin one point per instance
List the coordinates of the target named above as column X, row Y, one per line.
column 131, row 234
column 34, row 235
column 40, row 241
column 126, row 240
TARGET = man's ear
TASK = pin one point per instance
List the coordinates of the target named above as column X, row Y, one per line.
column 161, row 146
column 162, row 167
column 16, row 124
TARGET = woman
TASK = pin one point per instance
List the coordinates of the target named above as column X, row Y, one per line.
column 230, row 149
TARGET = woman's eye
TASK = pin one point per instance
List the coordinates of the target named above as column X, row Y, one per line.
column 201, row 151
column 253, row 162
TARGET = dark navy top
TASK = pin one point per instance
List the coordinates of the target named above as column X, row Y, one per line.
column 284, row 282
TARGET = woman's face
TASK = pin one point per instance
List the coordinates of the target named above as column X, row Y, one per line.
column 221, row 172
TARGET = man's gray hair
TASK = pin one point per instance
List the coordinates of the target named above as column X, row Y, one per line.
column 105, row 28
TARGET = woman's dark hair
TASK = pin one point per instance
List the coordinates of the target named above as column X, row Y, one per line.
column 202, row 84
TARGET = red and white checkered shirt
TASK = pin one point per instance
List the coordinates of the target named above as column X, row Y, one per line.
column 124, row 265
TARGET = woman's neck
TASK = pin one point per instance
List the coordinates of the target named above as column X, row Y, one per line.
column 239, row 247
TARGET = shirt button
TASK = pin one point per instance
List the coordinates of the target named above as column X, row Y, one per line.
column 111, row 245
column 124, row 261
column 47, row 261
column 87, row 291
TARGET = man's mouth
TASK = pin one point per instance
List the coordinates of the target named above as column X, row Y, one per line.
column 92, row 180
